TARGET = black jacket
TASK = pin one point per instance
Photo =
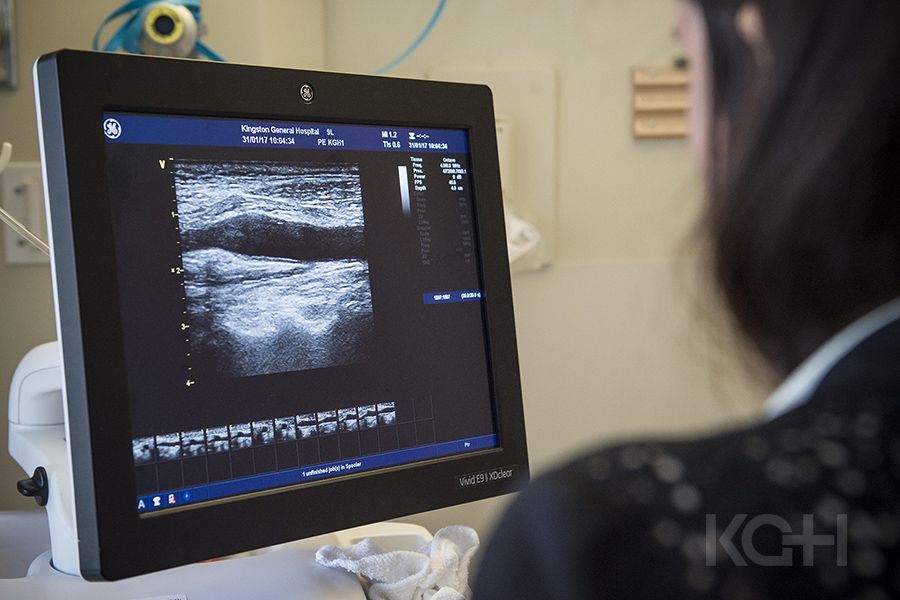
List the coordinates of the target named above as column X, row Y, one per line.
column 804, row 506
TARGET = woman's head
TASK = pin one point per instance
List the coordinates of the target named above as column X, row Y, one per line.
column 796, row 122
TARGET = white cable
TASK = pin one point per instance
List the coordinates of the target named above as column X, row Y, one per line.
column 5, row 154
column 23, row 231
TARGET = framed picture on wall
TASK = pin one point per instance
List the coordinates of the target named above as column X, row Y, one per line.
column 7, row 45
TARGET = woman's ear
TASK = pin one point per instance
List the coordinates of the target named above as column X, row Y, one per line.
column 749, row 24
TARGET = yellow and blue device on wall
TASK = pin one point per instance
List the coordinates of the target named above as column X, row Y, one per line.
column 171, row 28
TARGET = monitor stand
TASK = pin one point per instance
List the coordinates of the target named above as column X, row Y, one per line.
column 37, row 439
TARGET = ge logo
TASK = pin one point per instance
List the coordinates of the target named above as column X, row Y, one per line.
column 112, row 128
column 307, row 94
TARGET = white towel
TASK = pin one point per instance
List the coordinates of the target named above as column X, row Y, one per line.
column 439, row 570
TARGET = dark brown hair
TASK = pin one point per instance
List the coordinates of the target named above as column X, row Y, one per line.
column 804, row 214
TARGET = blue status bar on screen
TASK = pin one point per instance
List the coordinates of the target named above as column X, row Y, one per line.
column 348, row 466
column 133, row 128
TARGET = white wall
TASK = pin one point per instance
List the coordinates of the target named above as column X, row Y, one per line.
column 619, row 337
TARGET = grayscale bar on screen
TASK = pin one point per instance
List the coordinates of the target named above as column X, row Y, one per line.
column 404, row 190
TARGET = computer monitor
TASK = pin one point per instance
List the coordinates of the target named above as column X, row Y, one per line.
column 283, row 302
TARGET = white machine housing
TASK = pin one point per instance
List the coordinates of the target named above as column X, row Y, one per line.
column 37, row 438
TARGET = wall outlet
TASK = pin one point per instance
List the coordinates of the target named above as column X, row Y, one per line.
column 22, row 195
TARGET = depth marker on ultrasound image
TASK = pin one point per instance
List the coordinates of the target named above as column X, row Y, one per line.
column 178, row 269
column 275, row 268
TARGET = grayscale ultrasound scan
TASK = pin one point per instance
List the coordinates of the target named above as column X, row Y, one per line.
column 276, row 275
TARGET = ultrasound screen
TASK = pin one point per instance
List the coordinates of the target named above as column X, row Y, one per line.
column 299, row 301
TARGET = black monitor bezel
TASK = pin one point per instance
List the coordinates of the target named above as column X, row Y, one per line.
column 74, row 89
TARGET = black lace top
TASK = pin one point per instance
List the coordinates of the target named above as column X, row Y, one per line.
column 804, row 506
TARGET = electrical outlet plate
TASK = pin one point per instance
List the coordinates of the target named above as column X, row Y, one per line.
column 22, row 195
column 526, row 101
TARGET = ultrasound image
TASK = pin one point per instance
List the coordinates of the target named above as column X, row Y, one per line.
column 263, row 432
column 144, row 450
column 217, row 440
column 386, row 413
column 327, row 422
column 285, row 430
column 240, row 436
column 168, row 446
column 306, row 425
column 276, row 275
column 193, row 443
column 368, row 418
column 347, row 419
